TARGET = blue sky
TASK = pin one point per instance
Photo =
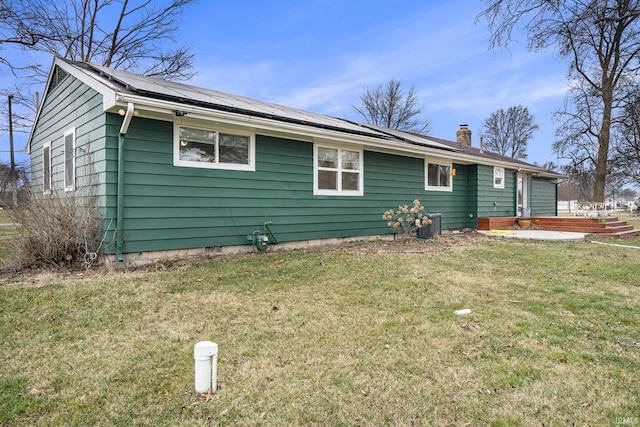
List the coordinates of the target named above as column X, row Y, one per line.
column 321, row 55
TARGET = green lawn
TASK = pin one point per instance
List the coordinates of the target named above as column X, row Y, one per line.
column 363, row 335
column 633, row 220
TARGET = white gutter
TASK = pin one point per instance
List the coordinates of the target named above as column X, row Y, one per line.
column 307, row 132
column 315, row 134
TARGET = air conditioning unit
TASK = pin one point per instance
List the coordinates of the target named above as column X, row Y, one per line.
column 428, row 231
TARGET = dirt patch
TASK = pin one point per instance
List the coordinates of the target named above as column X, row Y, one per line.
column 448, row 241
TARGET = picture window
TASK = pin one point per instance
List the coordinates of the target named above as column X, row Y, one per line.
column 213, row 148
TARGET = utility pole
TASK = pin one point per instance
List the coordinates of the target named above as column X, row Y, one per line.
column 12, row 171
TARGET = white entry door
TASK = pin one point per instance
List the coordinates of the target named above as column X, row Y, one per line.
column 522, row 195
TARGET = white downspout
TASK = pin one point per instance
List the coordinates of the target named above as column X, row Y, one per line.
column 120, row 196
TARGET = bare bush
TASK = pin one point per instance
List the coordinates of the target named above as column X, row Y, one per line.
column 56, row 230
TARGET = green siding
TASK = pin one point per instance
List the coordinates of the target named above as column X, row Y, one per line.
column 496, row 202
column 472, row 195
column 543, row 197
column 168, row 207
column 71, row 104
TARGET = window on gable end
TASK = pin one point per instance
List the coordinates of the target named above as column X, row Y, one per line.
column 70, row 160
column 46, row 168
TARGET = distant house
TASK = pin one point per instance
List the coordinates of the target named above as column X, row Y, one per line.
column 183, row 170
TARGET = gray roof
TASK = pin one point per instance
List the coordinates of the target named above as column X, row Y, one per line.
column 125, row 82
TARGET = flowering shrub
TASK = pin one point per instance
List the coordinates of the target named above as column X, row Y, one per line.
column 406, row 220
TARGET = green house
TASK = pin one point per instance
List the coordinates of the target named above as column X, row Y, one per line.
column 178, row 170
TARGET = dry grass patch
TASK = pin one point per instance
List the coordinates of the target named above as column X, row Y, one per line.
column 359, row 335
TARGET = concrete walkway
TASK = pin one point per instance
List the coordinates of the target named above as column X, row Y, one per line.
column 535, row 234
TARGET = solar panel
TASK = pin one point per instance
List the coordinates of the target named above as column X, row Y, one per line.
column 418, row 139
column 212, row 97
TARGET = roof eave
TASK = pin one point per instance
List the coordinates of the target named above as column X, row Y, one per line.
column 108, row 93
column 273, row 125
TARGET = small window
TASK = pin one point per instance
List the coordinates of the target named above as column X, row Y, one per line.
column 70, row 160
column 438, row 175
column 46, row 168
column 338, row 171
column 498, row 177
column 213, row 148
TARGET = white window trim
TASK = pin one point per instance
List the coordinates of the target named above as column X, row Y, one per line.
column 496, row 174
column 441, row 162
column 45, row 173
column 251, row 166
column 322, row 192
column 72, row 186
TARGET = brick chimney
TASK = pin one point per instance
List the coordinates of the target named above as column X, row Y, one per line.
column 463, row 136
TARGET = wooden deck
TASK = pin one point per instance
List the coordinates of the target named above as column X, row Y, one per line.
column 609, row 226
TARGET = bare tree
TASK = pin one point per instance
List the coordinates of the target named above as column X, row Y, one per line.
column 19, row 176
column 578, row 185
column 15, row 31
column 123, row 34
column 508, row 132
column 600, row 40
column 549, row 165
column 625, row 161
column 388, row 106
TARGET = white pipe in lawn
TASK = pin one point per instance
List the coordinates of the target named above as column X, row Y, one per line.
column 205, row 354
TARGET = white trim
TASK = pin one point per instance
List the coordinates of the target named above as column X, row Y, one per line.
column 108, row 93
column 522, row 197
column 113, row 99
column 441, row 162
column 46, row 173
column 72, row 186
column 265, row 126
column 498, row 173
column 251, row 166
column 339, row 191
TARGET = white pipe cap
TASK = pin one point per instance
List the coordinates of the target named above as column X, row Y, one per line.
column 205, row 350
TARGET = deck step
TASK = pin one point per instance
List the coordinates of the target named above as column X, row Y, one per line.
column 496, row 223
column 623, row 234
column 594, row 230
column 609, row 226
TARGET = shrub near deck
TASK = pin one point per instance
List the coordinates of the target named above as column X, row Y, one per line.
column 362, row 336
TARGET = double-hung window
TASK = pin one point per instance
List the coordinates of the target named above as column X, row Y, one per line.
column 213, row 148
column 438, row 175
column 337, row 171
column 498, row 177
column 46, row 168
column 70, row 160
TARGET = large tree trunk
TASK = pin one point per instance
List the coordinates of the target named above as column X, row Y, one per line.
column 603, row 143
column 601, row 167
